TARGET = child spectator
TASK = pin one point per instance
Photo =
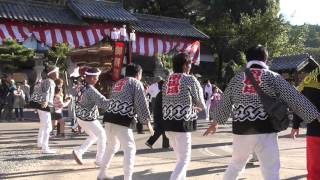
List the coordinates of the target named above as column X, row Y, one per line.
column 59, row 104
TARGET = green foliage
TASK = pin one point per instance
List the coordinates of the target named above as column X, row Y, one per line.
column 176, row 8
column 233, row 26
column 58, row 56
column 314, row 52
column 166, row 60
column 297, row 39
column 230, row 69
column 9, row 68
column 14, row 56
column 243, row 58
column 271, row 31
column 313, row 36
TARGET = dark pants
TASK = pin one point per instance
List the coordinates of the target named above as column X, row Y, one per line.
column 152, row 104
column 7, row 112
column 1, row 108
column 58, row 128
column 19, row 111
column 139, row 127
column 155, row 137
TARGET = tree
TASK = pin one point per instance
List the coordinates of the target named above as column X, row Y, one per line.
column 221, row 32
column 297, row 39
column 58, row 56
column 313, row 36
column 314, row 52
column 271, row 31
column 14, row 56
column 233, row 25
column 250, row 7
column 176, row 8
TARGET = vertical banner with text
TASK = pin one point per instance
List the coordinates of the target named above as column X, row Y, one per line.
column 119, row 50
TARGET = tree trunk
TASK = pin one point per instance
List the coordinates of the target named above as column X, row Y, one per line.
column 220, row 64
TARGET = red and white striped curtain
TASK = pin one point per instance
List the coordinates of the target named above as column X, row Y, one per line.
column 15, row 31
column 85, row 36
column 156, row 45
column 74, row 36
column 50, row 35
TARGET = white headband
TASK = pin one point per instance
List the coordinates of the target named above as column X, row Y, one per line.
column 93, row 74
column 53, row 71
column 257, row 62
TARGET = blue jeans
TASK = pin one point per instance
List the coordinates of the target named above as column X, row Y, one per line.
column 19, row 113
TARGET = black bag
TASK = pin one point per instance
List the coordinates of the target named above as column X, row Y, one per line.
column 276, row 109
column 37, row 105
column 205, row 96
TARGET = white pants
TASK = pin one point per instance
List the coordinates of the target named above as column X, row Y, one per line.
column 119, row 135
column 181, row 143
column 208, row 104
column 44, row 130
column 266, row 148
column 96, row 133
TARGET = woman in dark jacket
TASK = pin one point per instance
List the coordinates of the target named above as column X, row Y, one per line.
column 158, row 118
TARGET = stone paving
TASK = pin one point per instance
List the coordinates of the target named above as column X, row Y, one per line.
column 21, row 159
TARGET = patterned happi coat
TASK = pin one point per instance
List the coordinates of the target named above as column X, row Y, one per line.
column 241, row 102
column 181, row 93
column 128, row 103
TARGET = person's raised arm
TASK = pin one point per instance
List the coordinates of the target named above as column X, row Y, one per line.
column 300, row 105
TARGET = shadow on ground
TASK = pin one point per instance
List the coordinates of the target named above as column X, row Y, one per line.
column 40, row 173
column 296, row 177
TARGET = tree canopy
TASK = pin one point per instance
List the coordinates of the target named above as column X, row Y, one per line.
column 233, row 26
column 14, row 56
column 58, row 56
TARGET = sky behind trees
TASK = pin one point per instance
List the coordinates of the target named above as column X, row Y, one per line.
column 299, row 12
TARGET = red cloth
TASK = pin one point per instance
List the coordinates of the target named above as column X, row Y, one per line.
column 313, row 157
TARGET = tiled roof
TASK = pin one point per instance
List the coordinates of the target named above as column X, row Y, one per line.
column 35, row 12
column 99, row 9
column 166, row 26
column 289, row 63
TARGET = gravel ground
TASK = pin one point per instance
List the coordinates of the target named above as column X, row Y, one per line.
column 21, row 159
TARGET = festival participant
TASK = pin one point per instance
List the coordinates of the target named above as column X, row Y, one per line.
column 310, row 88
column 182, row 97
column 127, row 103
column 88, row 101
column 253, row 130
column 42, row 100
